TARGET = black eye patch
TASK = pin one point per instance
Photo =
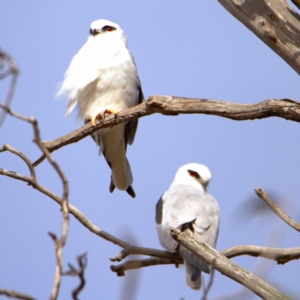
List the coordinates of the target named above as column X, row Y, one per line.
column 94, row 32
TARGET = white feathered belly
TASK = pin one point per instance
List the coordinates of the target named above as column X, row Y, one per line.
column 114, row 90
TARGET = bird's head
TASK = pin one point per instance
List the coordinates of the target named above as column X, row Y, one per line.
column 108, row 30
column 194, row 174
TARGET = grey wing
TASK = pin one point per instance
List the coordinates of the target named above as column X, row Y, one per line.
column 197, row 211
column 131, row 126
column 171, row 213
column 206, row 225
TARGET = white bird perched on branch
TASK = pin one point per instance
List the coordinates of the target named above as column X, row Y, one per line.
column 102, row 79
column 187, row 205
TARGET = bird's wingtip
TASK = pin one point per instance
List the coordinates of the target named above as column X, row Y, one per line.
column 131, row 191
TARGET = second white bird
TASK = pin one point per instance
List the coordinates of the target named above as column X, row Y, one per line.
column 187, row 205
column 102, row 79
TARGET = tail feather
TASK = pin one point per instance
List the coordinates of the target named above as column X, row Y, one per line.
column 192, row 276
column 193, row 268
column 112, row 185
column 113, row 147
column 129, row 190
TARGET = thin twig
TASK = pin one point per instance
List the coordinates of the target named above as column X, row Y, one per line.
column 9, row 148
column 12, row 70
column 263, row 195
column 209, row 286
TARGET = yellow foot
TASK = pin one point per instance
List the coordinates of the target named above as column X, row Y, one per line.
column 100, row 116
column 97, row 117
column 108, row 112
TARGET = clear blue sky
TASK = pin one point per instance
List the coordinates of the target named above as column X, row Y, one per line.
column 181, row 48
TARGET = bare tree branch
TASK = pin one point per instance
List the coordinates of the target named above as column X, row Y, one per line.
column 59, row 243
column 11, row 70
column 282, row 256
column 262, row 268
column 167, row 105
column 16, row 295
column 263, row 195
column 274, row 22
column 225, row 266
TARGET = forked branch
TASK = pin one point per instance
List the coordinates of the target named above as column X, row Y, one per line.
column 32, row 180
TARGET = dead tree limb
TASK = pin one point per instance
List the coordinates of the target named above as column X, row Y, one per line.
column 225, row 266
column 10, row 69
column 167, row 105
column 273, row 21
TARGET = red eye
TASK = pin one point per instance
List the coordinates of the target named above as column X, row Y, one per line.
column 193, row 174
column 109, row 28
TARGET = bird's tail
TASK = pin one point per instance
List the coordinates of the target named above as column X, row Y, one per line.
column 112, row 145
column 193, row 268
column 192, row 276
column 118, row 178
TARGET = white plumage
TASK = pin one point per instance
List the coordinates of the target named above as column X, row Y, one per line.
column 102, row 79
column 187, row 205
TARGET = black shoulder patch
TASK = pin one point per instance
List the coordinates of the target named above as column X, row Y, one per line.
column 141, row 95
column 159, row 211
